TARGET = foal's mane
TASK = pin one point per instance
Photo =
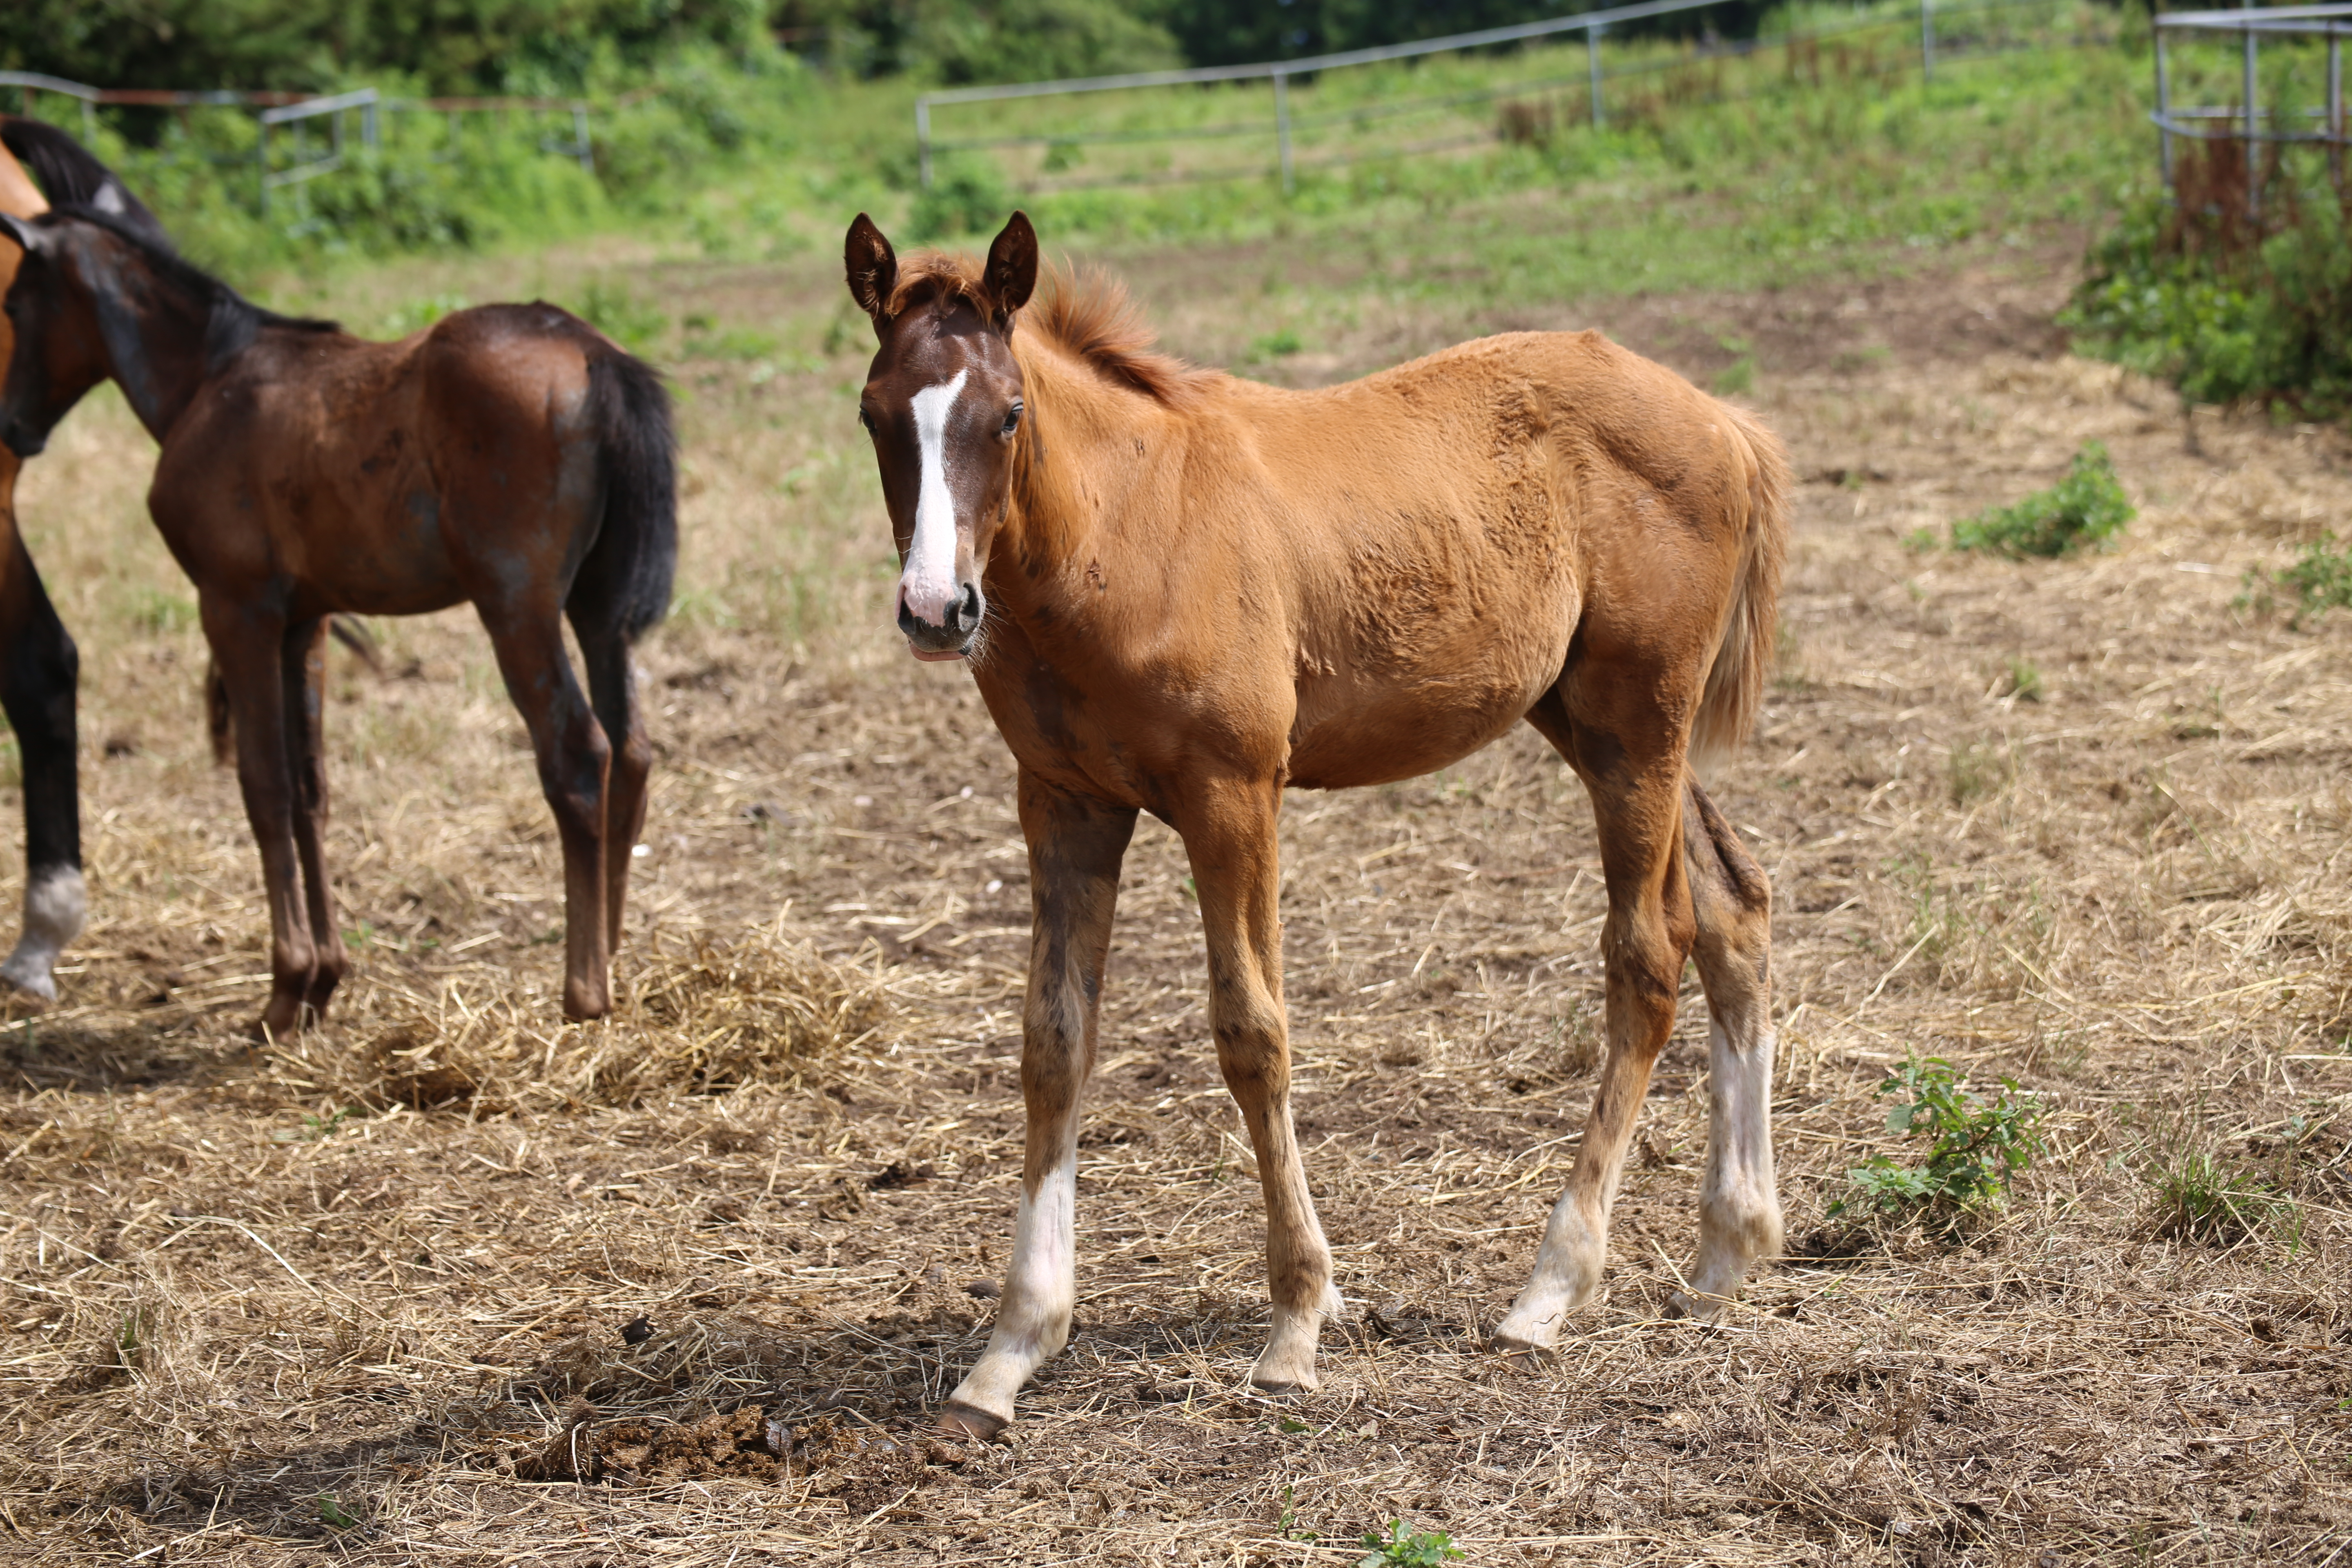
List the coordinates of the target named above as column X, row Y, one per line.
column 1087, row 315
column 234, row 320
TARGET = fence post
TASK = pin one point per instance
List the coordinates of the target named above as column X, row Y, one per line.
column 2336, row 109
column 2254, row 147
column 923, row 140
column 579, row 139
column 89, row 125
column 261, row 168
column 1282, row 128
column 1927, row 40
column 1592, row 63
column 2164, row 119
column 368, row 132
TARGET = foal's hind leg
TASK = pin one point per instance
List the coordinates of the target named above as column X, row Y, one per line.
column 573, row 759
column 1634, row 769
column 1076, row 846
column 612, row 688
column 248, row 647
column 1740, row 1203
column 303, row 669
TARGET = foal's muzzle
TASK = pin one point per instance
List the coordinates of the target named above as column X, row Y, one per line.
column 22, row 439
column 950, row 639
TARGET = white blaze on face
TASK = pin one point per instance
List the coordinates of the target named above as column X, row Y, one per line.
column 929, row 583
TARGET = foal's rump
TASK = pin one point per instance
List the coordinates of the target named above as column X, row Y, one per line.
column 531, row 390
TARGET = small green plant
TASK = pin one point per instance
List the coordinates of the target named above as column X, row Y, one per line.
column 333, row 1515
column 2086, row 507
column 2199, row 1196
column 1975, row 1145
column 1739, row 378
column 1277, row 344
column 314, row 1127
column 160, row 614
column 1977, row 770
column 2024, row 680
column 419, row 314
column 1423, row 1549
column 2321, row 578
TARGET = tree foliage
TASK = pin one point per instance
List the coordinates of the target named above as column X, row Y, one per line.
column 449, row 45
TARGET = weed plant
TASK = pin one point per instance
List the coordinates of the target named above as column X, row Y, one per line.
column 1976, row 1145
column 2086, row 509
column 2320, row 579
column 1421, row 1549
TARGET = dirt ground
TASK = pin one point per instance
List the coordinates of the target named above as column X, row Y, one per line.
column 445, row 1281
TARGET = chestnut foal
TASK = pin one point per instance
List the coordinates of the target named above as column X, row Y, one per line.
column 1183, row 594
column 509, row 456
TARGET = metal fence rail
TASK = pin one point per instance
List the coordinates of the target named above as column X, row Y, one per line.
column 1593, row 25
column 2244, row 120
column 296, row 110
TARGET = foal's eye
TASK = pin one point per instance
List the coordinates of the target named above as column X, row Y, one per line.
column 865, row 417
column 1011, row 420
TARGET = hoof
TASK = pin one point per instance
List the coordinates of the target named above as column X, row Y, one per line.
column 1522, row 1354
column 964, row 1423
column 1694, row 1306
column 1271, row 1385
column 37, row 983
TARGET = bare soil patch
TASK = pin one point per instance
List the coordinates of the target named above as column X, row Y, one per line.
column 447, row 1280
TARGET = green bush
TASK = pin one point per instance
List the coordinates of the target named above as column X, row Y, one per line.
column 2088, row 507
column 2228, row 306
column 1975, row 1145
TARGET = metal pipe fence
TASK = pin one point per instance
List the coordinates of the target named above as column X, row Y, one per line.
column 294, row 112
column 1286, row 121
column 2244, row 122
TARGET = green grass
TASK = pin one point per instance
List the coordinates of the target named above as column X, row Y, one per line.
column 1836, row 162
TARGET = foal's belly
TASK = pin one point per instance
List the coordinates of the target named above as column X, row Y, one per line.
column 1404, row 732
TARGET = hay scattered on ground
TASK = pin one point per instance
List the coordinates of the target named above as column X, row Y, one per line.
column 762, row 1010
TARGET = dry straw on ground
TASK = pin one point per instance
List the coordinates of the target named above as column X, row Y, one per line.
column 448, row 1282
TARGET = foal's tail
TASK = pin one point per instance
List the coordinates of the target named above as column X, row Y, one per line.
column 1735, row 686
column 625, row 580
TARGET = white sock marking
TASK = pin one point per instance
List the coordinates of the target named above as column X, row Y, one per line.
column 929, row 583
column 56, row 904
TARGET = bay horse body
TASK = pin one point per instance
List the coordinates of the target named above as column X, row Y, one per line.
column 1185, row 593
column 511, row 457
column 39, row 666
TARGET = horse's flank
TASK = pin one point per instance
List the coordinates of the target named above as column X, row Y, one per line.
column 1423, row 538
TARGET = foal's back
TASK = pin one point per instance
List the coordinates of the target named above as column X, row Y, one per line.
column 385, row 478
column 1451, row 527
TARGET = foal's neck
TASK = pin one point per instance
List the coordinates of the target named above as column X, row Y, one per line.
column 160, row 349
column 1075, row 476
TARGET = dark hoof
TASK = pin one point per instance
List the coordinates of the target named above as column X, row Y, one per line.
column 966, row 1424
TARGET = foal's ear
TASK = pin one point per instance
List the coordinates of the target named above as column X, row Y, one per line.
column 872, row 264
column 1011, row 275
column 19, row 230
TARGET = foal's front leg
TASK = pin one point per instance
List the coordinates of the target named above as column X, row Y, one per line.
column 1076, row 846
column 1230, row 834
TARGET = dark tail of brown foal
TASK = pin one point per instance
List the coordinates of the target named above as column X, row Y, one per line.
column 628, row 572
column 1735, row 686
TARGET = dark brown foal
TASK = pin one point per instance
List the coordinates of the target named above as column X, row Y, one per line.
column 509, row 456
